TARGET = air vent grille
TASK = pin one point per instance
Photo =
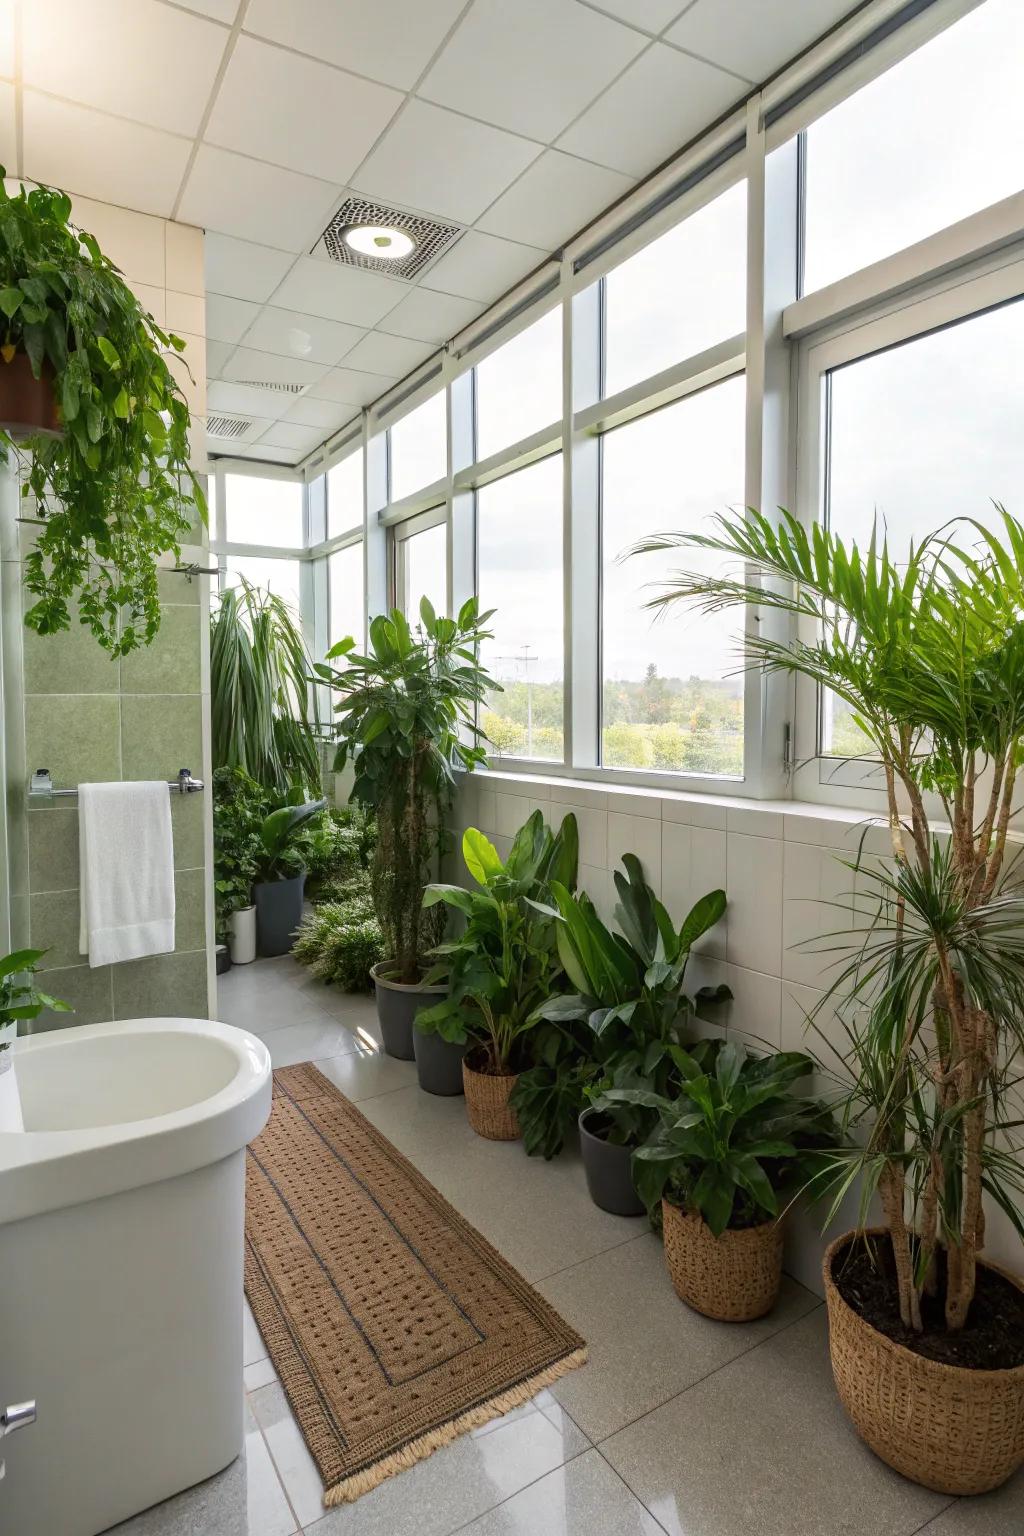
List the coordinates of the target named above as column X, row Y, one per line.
column 228, row 426
column 431, row 237
column 276, row 388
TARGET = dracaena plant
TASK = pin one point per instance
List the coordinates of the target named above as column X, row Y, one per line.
column 115, row 490
column 926, row 648
column 733, row 1138
column 623, row 1024
column 406, row 721
column 505, row 962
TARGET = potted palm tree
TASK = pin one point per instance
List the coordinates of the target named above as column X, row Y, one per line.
column 406, row 722
column 720, row 1155
column 927, row 1337
column 503, row 965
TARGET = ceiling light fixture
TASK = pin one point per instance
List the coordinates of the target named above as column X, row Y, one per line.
column 381, row 240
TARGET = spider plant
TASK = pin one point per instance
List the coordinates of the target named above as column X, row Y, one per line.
column 928, row 652
column 264, row 714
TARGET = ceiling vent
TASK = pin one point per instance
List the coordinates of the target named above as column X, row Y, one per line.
column 269, row 384
column 429, row 236
column 228, row 426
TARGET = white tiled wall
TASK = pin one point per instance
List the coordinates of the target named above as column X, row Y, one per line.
column 782, row 867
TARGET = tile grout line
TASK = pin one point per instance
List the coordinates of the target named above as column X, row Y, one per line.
column 277, row 1471
column 468, row 1524
column 543, row 1279
column 932, row 1518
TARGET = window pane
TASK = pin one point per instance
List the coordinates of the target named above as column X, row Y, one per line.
column 681, row 294
column 419, row 452
column 345, row 494
column 519, row 541
column 424, row 557
column 672, row 699
column 279, row 576
column 920, row 434
column 519, row 387
column 263, row 511
column 345, row 578
column 937, row 137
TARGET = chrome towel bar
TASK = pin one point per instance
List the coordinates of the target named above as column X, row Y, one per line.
column 41, row 785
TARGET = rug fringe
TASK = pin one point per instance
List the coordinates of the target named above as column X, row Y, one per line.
column 351, row 1488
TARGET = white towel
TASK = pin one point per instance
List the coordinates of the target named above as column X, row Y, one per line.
column 127, row 871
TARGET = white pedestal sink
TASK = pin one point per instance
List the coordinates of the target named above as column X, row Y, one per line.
column 122, row 1182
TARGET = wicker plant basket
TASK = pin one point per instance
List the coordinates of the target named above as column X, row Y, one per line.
column 950, row 1428
column 487, row 1104
column 733, row 1278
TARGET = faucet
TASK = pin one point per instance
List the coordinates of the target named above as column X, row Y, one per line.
column 16, row 1416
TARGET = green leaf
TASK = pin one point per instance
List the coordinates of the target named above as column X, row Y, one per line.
column 11, row 300
column 482, row 858
column 108, row 352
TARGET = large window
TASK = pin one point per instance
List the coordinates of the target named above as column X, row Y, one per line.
column 346, row 594
column 423, row 569
column 671, row 697
column 937, row 137
column 519, row 387
column 263, row 511
column 519, row 543
column 917, row 435
column 678, row 296
column 419, row 451
column 278, row 576
column 345, row 494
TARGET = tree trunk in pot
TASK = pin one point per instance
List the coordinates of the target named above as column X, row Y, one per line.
column 608, row 1170
column 397, row 1005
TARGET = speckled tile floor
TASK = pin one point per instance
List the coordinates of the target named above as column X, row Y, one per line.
column 677, row 1425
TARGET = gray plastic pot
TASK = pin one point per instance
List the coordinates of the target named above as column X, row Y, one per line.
column 397, row 1003
column 438, row 1064
column 608, row 1170
column 278, row 913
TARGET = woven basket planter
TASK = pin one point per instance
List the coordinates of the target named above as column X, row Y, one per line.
column 487, row 1104
column 948, row 1427
column 733, row 1278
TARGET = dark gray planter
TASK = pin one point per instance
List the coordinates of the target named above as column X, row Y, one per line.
column 608, row 1171
column 438, row 1064
column 397, row 1003
column 278, row 913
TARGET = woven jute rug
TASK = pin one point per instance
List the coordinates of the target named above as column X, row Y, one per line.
column 393, row 1325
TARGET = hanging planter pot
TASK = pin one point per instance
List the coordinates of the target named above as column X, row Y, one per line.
column 28, row 406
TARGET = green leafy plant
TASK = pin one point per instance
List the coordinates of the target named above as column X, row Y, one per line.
column 505, row 962
column 406, row 721
column 623, row 1024
column 927, row 653
column 263, row 712
column 337, row 850
column 239, row 806
column 733, row 1137
column 280, row 850
column 20, row 998
column 115, row 491
column 341, row 940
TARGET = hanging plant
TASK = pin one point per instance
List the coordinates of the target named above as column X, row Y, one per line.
column 112, row 485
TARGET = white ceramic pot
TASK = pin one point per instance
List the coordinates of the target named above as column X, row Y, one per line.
column 243, row 936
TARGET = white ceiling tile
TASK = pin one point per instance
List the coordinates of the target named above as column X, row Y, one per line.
column 228, row 319
column 532, row 66
column 651, row 15
column 738, row 35
column 307, row 336
column 218, row 10
column 393, row 355
column 338, row 292
column 7, row 63
column 441, row 163
column 327, row 415
column 389, row 40
column 289, row 434
column 217, row 354
column 298, row 112
column 427, row 316
column 482, row 266
column 238, row 267
column 657, row 106
column 102, row 53
column 243, row 400
column 248, row 366
column 262, row 453
column 554, row 199
column 8, row 131
column 351, row 387
column 253, row 201
column 102, row 157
